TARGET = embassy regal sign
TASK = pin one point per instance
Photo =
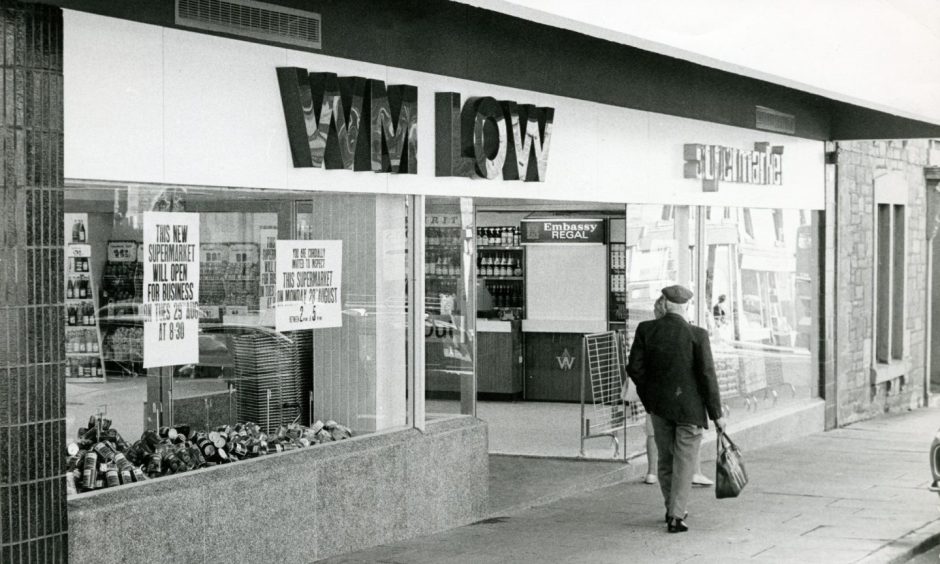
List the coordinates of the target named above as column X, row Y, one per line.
column 361, row 124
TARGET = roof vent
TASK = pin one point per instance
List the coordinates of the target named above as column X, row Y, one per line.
column 251, row 19
column 772, row 120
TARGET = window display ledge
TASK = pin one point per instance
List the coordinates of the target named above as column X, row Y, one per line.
column 301, row 505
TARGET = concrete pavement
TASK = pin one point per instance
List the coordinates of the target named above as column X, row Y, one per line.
column 856, row 494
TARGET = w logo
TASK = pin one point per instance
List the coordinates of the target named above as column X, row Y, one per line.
column 565, row 361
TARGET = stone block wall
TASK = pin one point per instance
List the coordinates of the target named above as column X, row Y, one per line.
column 857, row 165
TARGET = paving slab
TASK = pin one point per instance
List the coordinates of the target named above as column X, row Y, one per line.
column 852, row 495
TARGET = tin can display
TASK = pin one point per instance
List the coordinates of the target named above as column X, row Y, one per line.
column 90, row 471
column 155, row 464
column 111, row 476
column 104, row 451
column 70, row 487
column 207, row 447
column 101, row 458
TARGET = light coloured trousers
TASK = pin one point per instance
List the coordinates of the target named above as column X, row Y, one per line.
column 678, row 445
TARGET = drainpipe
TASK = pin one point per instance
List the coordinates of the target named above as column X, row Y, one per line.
column 932, row 176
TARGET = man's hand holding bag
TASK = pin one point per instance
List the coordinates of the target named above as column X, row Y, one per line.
column 730, row 474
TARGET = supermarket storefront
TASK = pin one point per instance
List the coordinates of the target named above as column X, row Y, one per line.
column 293, row 274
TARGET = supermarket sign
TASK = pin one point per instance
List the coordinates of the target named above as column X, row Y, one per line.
column 562, row 231
column 713, row 164
column 349, row 122
column 171, row 288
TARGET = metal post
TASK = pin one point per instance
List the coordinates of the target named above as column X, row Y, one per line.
column 416, row 332
column 583, row 427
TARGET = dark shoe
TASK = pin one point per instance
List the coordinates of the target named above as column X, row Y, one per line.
column 683, row 517
column 677, row 526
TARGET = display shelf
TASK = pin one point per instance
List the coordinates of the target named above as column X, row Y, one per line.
column 617, row 283
column 122, row 291
column 500, row 296
column 83, row 360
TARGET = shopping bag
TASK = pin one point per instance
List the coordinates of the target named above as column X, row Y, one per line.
column 730, row 475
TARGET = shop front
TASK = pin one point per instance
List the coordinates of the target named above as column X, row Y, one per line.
column 303, row 287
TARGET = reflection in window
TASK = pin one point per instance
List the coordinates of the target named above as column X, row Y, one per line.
column 760, row 271
column 449, row 340
column 659, row 253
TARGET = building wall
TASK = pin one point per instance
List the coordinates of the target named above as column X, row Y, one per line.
column 32, row 309
column 858, row 164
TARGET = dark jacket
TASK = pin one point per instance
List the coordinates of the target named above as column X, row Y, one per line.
column 671, row 365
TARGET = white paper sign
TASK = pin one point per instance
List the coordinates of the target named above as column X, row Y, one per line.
column 171, row 288
column 267, row 241
column 307, row 287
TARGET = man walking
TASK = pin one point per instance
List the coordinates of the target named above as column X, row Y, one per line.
column 671, row 365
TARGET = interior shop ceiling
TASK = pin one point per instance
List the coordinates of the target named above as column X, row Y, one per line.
column 880, row 54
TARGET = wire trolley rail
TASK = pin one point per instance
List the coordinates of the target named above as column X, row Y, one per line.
column 602, row 376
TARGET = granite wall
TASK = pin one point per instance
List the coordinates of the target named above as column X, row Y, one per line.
column 32, row 386
column 858, row 163
column 297, row 506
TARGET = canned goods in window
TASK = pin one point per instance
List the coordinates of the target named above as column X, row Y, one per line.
column 111, row 475
column 138, row 475
column 90, row 471
column 104, row 451
column 70, row 488
column 155, row 464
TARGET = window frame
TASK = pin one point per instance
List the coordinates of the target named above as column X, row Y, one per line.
column 889, row 336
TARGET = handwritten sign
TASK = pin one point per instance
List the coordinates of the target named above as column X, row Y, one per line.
column 171, row 288
column 307, row 285
column 267, row 241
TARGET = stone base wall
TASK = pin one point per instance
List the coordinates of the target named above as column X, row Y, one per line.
column 858, row 163
column 297, row 506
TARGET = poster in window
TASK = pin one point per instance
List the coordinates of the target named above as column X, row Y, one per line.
column 171, row 288
column 307, row 285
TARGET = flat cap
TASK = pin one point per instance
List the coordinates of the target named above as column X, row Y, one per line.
column 677, row 294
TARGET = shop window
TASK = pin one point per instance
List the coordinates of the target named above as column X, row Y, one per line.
column 760, row 287
column 450, row 290
column 660, row 254
column 209, row 325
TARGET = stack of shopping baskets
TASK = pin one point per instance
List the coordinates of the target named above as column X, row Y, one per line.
column 272, row 376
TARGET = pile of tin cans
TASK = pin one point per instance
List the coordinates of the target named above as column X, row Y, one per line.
column 101, row 458
column 96, row 460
